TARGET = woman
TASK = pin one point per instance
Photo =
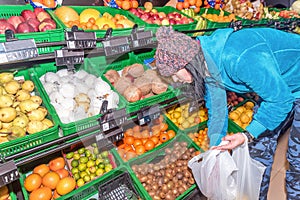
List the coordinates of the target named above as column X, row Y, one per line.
column 261, row 60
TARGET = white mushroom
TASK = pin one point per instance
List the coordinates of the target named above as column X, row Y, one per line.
column 67, row 90
column 56, row 97
column 62, row 73
column 89, row 80
column 68, row 104
column 51, row 77
column 81, row 74
column 113, row 100
column 49, row 87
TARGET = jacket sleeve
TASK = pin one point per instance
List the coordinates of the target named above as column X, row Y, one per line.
column 258, row 69
column 216, row 104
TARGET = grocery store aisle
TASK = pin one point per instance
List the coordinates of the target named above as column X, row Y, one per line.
column 277, row 184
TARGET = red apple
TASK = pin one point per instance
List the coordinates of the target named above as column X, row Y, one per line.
column 157, row 21
column 43, row 15
column 5, row 26
column 28, row 14
column 38, row 10
column 177, row 15
column 155, row 16
column 145, row 16
column 172, row 21
column 165, row 22
column 15, row 20
column 162, row 15
column 170, row 15
column 34, row 23
column 133, row 11
column 24, row 27
column 138, row 14
column 47, row 24
column 190, row 20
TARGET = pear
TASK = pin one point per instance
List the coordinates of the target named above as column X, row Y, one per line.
column 2, row 90
column 5, row 101
column 16, row 105
column 48, row 122
column 7, row 114
column 7, row 125
column 36, row 99
column 35, row 126
column 12, row 87
column 28, row 86
column 44, row 110
column 21, row 114
column 28, row 105
column 16, row 132
column 36, row 115
column 22, row 95
column 21, row 121
column 6, row 77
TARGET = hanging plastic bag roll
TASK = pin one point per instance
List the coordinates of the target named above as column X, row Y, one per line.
column 221, row 176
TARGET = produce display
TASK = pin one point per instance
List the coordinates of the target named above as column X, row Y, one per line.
column 44, row 3
column 153, row 16
column 37, row 20
column 233, row 99
column 181, row 117
column 219, row 17
column 92, row 19
column 242, row 115
column 21, row 111
column 87, row 163
column 252, row 95
column 136, row 83
column 140, row 139
column 170, row 177
column 187, row 5
column 277, row 14
column 78, row 95
column 50, row 180
column 245, row 9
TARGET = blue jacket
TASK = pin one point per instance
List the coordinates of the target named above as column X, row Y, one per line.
column 261, row 60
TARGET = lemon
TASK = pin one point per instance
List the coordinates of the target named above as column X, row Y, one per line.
column 241, row 109
column 176, row 115
column 88, row 13
column 245, row 119
column 185, row 124
column 233, row 115
column 80, row 182
column 178, row 109
column 249, row 105
column 202, row 113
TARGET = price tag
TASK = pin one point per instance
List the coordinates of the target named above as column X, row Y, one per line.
column 65, row 57
column 116, row 45
column 18, row 50
column 113, row 119
column 8, row 173
column 141, row 38
column 149, row 114
column 81, row 40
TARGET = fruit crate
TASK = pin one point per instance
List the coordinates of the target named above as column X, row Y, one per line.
column 72, row 127
column 166, row 10
column 31, row 140
column 150, row 101
column 103, row 9
column 170, row 126
column 152, row 162
column 195, row 195
column 215, row 24
column 147, row 58
column 54, row 35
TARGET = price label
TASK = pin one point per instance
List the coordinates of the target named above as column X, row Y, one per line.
column 113, row 119
column 65, row 57
column 149, row 114
column 8, row 173
column 116, row 45
column 141, row 38
column 81, row 40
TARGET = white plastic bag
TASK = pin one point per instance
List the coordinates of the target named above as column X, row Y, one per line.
column 221, row 176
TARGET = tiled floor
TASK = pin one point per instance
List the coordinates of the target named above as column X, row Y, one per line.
column 277, row 184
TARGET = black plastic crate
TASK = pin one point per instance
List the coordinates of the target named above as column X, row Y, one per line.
column 120, row 187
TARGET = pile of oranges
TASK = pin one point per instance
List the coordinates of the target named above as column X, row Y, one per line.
column 90, row 25
column 47, row 3
column 49, row 181
column 219, row 18
column 140, row 139
column 196, row 4
column 126, row 4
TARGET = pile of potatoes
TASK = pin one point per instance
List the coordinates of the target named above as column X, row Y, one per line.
column 21, row 111
column 136, row 83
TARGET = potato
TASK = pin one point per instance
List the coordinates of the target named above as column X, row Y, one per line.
column 135, row 70
column 112, row 75
column 132, row 93
column 122, row 84
column 144, row 84
column 158, row 86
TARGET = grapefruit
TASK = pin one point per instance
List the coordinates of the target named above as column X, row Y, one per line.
column 88, row 13
column 65, row 185
column 66, row 14
column 32, row 182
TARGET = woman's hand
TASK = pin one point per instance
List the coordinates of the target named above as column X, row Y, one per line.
column 234, row 140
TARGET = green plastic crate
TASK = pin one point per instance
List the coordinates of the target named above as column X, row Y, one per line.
column 155, row 157
column 79, row 125
column 36, row 139
column 55, row 35
column 167, row 9
column 153, row 100
column 103, row 9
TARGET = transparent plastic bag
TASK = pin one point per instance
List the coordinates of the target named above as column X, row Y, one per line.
column 221, row 176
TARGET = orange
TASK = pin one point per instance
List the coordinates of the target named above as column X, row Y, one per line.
column 32, row 182
column 197, row 9
column 92, row 20
column 38, row 1
column 186, row 4
column 171, row 133
column 57, row 163
column 62, row 173
column 119, row 3
column 41, row 170
column 140, row 149
column 145, row 133
column 217, row 6
column 136, row 128
column 154, row 139
column 144, row 140
column 50, row 180
column 198, row 3
column 179, row 6
column 148, row 5
column 137, row 142
column 149, row 145
column 95, row 27
column 129, row 140
column 163, row 137
column 49, row 3
column 65, row 185
column 43, row 193
column 55, row 195
column 135, row 4
column 163, row 127
column 192, row 2
column 89, row 25
column 126, row 5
